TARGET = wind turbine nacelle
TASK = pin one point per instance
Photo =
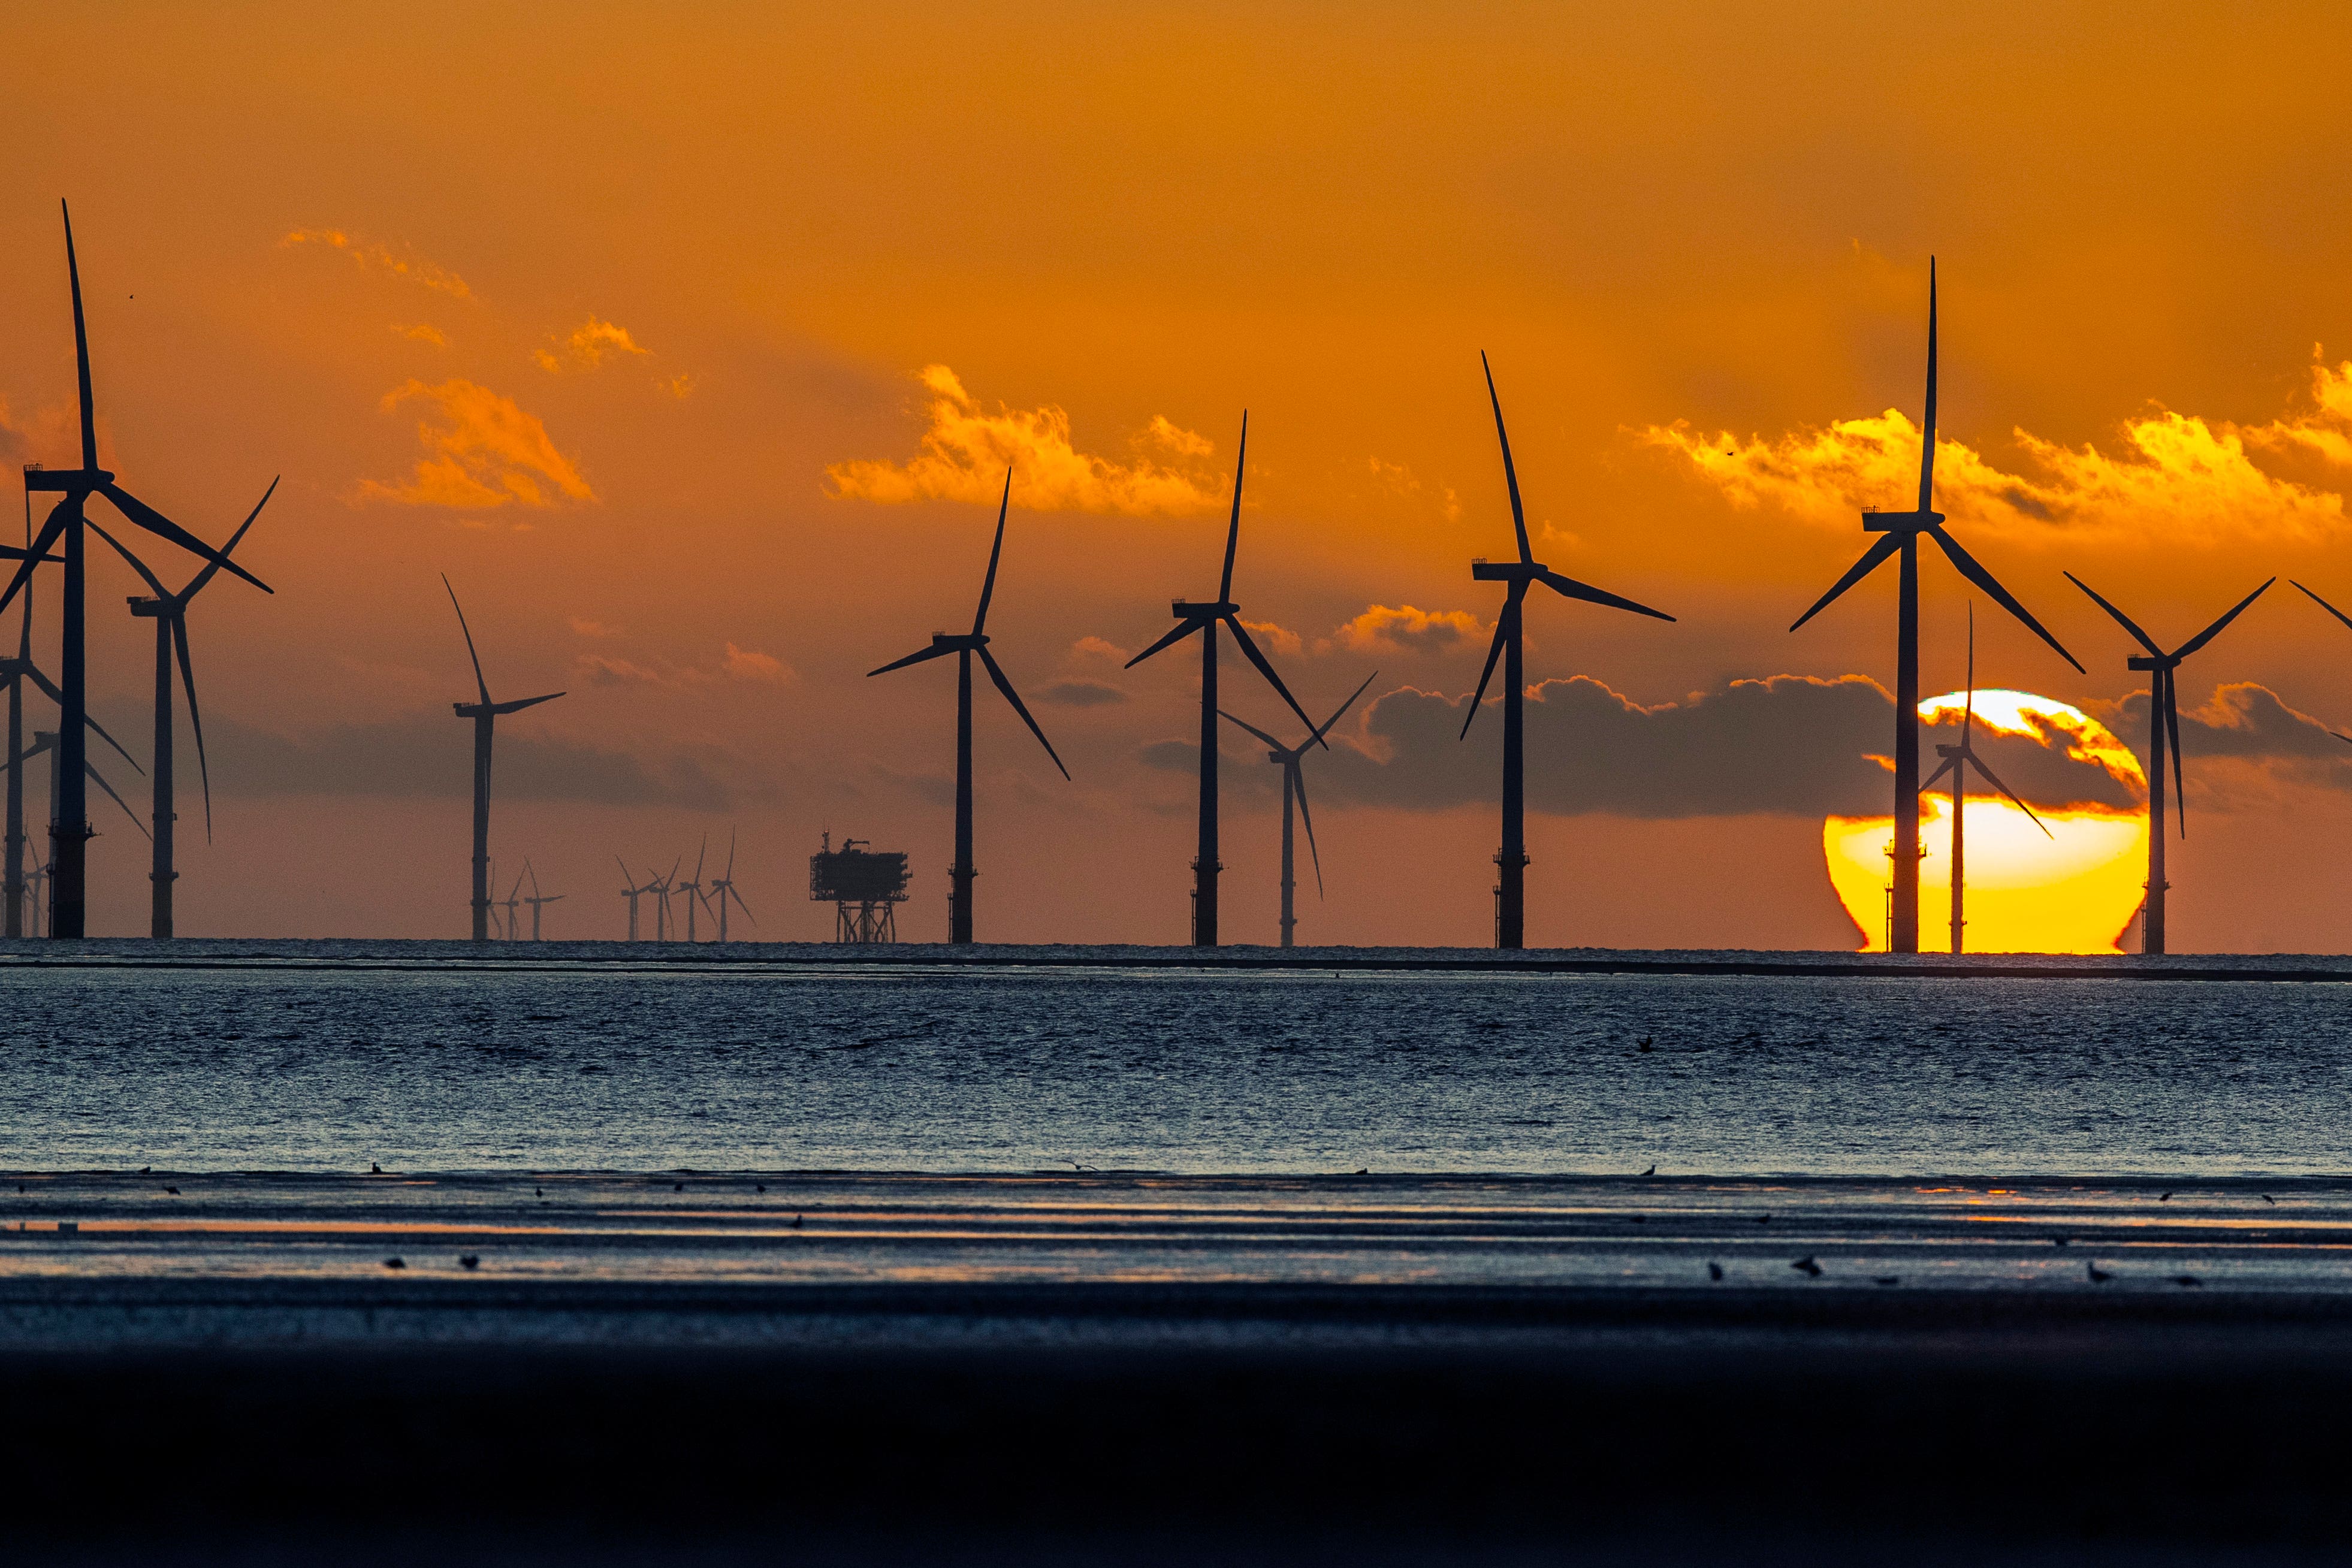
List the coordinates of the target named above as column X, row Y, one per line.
column 1505, row 571
column 146, row 609
column 1899, row 522
column 2142, row 662
column 1185, row 610
column 66, row 478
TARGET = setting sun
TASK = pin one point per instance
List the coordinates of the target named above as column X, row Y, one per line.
column 2073, row 891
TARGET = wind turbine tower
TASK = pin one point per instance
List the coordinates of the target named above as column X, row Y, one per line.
column 2163, row 727
column 1899, row 534
column 724, row 886
column 485, row 714
column 1511, row 887
column 1294, row 793
column 538, row 901
column 1957, row 760
column 1204, row 619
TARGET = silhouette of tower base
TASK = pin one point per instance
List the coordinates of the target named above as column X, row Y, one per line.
column 865, row 923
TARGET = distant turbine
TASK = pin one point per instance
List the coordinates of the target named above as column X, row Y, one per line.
column 2163, row 726
column 1899, row 532
column 661, row 890
column 44, row 741
column 724, row 886
column 513, row 902
column 1294, row 789
column 485, row 714
column 537, row 900
column 1511, row 891
column 694, row 888
column 1203, row 618
column 1957, row 760
column 169, row 610
column 69, row 825
column 963, row 646
column 632, row 891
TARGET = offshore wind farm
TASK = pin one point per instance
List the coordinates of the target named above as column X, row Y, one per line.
column 1734, row 1091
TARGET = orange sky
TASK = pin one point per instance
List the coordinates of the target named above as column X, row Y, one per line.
column 659, row 283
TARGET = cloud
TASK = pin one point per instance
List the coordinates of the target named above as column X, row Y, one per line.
column 2175, row 472
column 1089, row 648
column 1408, row 630
column 602, row 670
column 421, row 333
column 2247, row 721
column 370, row 257
column 1082, row 694
column 749, row 664
column 1281, row 638
column 486, row 452
column 967, row 450
column 427, row 755
column 590, row 344
column 679, row 386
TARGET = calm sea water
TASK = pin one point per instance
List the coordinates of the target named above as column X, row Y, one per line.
column 468, row 1067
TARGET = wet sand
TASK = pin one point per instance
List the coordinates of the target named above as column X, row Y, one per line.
column 1097, row 1365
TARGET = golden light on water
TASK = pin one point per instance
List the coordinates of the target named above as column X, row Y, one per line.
column 2073, row 891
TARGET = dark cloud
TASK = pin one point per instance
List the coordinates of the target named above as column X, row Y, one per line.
column 1082, row 694
column 2242, row 720
column 423, row 756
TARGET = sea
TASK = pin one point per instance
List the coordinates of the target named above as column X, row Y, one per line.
column 336, row 1057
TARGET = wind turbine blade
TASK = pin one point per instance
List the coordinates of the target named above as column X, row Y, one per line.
column 988, row 584
column 52, row 530
column 1973, row 569
column 156, row 523
column 99, row 780
column 1183, row 629
column 626, row 874
column 1250, row 651
column 730, row 854
column 2126, row 622
column 1344, row 706
column 110, row 740
column 1252, row 729
column 1885, row 545
column 1994, row 780
column 1569, row 587
column 1510, row 471
column 81, row 347
column 29, row 753
column 936, row 650
column 1969, row 709
column 229, row 548
column 2214, row 631
column 10, row 552
column 1233, row 530
column 740, row 904
column 195, row 719
column 534, row 876
column 1503, row 628
column 521, row 703
column 1306, row 819
column 480, row 685
column 2306, row 593
column 1928, row 433
column 2172, row 729
column 1936, row 776
column 136, row 564
column 702, row 855
column 518, row 883
column 997, row 673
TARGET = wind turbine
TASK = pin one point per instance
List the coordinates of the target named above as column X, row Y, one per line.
column 2163, row 727
column 485, row 714
column 1294, row 789
column 963, row 646
column 45, row 741
column 170, row 612
column 16, row 672
column 1899, row 533
column 694, row 888
column 1957, row 760
column 1203, row 618
column 632, row 891
column 661, row 890
column 539, row 901
column 724, row 886
column 1511, row 893
column 69, row 829
column 512, row 903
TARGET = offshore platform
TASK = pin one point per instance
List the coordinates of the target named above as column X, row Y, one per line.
column 864, row 884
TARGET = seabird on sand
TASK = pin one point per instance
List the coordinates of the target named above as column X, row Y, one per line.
column 1805, row 1265
column 395, row 1263
column 469, row 1261
column 1652, row 1171
column 2098, row 1276
column 1715, row 1271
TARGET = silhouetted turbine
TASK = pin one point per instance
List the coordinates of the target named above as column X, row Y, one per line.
column 170, row 612
column 694, row 888
column 485, row 714
column 1899, row 533
column 538, row 901
column 1294, row 789
column 513, row 902
column 1957, row 760
column 724, row 886
column 1511, row 889
column 963, row 646
column 632, row 891
column 2163, row 727
column 45, row 741
column 69, row 827
column 1203, row 618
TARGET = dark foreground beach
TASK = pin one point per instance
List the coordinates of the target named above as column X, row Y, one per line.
column 1098, row 1367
